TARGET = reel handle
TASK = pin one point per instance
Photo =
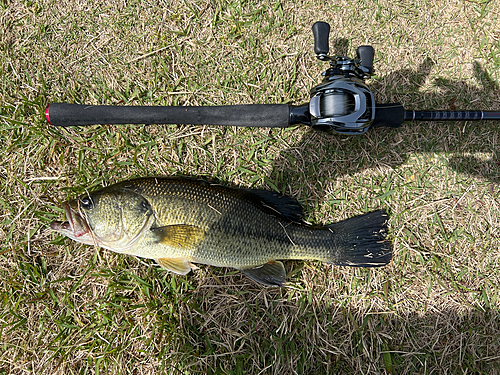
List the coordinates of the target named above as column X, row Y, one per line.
column 321, row 32
column 366, row 54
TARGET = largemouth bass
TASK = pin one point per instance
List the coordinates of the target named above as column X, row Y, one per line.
column 179, row 221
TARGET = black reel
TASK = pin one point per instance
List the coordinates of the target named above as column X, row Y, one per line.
column 342, row 102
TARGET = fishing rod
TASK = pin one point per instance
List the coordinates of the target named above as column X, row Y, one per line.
column 342, row 103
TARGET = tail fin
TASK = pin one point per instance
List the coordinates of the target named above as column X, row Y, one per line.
column 363, row 240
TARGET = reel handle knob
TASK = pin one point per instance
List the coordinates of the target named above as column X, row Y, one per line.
column 366, row 54
column 321, row 32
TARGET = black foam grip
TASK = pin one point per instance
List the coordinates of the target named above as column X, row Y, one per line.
column 254, row 115
column 388, row 115
column 321, row 32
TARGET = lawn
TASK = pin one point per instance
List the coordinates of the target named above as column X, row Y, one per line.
column 68, row 308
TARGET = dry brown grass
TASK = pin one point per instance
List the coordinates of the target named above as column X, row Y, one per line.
column 67, row 308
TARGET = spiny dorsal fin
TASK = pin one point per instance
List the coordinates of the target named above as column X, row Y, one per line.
column 179, row 235
column 269, row 274
column 283, row 205
column 176, row 265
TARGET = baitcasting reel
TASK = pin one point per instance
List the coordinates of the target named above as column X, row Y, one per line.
column 341, row 103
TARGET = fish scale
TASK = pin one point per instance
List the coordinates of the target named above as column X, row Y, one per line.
column 179, row 220
column 231, row 227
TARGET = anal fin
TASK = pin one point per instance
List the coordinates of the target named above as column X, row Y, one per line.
column 269, row 274
column 176, row 265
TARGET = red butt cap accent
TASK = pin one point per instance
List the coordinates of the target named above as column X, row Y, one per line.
column 47, row 114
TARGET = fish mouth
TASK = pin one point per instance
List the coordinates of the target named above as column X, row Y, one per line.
column 76, row 226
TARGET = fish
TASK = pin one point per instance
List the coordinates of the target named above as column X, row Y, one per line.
column 179, row 221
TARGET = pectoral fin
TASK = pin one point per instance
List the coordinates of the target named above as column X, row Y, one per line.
column 179, row 235
column 177, row 265
column 269, row 274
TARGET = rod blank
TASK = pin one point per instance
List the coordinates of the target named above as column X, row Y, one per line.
column 451, row 115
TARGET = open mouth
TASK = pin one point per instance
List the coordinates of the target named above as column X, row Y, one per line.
column 75, row 224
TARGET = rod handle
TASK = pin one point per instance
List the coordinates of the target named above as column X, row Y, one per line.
column 252, row 115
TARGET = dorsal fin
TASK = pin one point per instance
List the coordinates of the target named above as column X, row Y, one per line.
column 284, row 206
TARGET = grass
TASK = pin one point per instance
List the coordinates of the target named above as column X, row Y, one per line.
column 67, row 308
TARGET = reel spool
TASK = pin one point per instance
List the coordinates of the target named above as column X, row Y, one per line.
column 343, row 106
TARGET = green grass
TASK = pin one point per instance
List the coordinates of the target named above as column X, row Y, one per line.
column 72, row 309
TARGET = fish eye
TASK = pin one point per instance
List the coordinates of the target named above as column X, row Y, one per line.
column 86, row 203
